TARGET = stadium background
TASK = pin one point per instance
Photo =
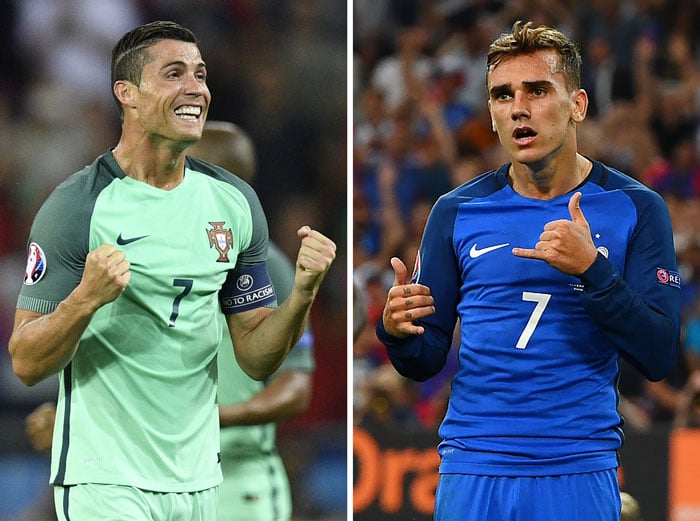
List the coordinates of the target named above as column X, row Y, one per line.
column 277, row 69
column 421, row 127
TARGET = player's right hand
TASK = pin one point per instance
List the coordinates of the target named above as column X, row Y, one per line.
column 106, row 275
column 405, row 303
column 316, row 254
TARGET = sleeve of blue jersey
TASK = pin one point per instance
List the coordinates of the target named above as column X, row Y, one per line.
column 640, row 309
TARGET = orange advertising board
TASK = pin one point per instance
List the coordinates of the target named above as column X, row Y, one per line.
column 393, row 481
column 395, row 473
column 684, row 475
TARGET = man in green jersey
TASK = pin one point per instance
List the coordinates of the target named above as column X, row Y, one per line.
column 131, row 262
column 255, row 486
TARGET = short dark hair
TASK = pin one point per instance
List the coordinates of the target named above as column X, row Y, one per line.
column 527, row 39
column 130, row 53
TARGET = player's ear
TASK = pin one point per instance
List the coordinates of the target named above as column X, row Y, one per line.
column 580, row 105
column 125, row 92
column 493, row 121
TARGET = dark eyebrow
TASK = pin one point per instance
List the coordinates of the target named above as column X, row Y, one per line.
column 506, row 88
column 539, row 84
column 179, row 63
column 497, row 90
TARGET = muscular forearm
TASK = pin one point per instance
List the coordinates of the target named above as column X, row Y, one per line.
column 42, row 345
column 263, row 337
column 264, row 345
column 288, row 395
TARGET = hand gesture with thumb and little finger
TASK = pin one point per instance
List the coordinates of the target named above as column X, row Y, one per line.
column 565, row 244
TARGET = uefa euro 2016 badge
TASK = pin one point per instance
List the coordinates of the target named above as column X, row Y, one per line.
column 220, row 239
column 36, row 265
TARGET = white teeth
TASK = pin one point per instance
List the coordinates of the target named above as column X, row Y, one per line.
column 188, row 112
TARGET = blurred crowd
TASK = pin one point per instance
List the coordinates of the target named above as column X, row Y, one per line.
column 276, row 69
column 421, row 127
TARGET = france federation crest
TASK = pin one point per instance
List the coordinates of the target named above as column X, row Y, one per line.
column 36, row 265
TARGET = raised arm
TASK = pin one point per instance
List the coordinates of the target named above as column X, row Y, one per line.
column 640, row 311
column 419, row 315
column 43, row 344
column 262, row 337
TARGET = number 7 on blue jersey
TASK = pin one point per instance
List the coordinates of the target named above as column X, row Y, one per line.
column 541, row 300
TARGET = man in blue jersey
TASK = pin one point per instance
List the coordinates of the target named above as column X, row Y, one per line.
column 131, row 263
column 554, row 265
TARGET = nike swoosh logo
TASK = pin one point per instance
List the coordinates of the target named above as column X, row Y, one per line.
column 474, row 252
column 121, row 241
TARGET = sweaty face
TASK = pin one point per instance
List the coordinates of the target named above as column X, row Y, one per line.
column 172, row 99
column 532, row 109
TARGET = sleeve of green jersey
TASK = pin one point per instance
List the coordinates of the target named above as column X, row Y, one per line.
column 61, row 230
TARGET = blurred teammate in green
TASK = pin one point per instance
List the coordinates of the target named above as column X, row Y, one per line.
column 255, row 486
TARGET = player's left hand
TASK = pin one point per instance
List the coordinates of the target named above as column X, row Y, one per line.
column 39, row 425
column 316, row 254
column 565, row 244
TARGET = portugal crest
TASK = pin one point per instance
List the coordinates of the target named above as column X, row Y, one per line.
column 220, row 239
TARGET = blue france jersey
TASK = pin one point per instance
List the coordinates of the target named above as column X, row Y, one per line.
column 535, row 392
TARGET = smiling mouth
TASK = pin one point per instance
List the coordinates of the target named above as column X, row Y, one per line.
column 189, row 112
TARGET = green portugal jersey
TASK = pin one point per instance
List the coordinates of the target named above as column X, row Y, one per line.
column 137, row 403
column 237, row 387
